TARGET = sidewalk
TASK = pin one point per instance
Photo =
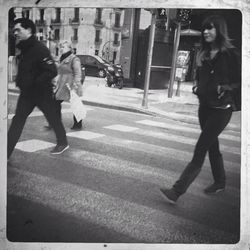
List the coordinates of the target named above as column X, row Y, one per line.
column 130, row 99
column 183, row 108
column 95, row 92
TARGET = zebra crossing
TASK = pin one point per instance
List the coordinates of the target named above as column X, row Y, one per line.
column 119, row 190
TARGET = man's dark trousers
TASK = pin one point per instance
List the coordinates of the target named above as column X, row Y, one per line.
column 25, row 105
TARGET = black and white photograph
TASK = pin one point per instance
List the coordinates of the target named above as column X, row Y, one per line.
column 125, row 126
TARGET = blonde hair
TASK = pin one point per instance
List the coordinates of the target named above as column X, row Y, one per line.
column 68, row 43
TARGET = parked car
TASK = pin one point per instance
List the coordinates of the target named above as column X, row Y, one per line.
column 94, row 65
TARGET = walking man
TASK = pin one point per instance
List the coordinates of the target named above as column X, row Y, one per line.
column 36, row 69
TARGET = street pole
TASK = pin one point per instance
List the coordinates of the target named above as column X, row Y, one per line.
column 173, row 67
column 149, row 59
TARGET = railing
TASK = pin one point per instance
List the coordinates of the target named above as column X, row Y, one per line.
column 117, row 27
column 56, row 21
column 99, row 23
column 74, row 39
column 75, row 21
column 116, row 43
column 98, row 41
column 40, row 22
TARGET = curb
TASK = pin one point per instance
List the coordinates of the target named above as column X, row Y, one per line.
column 122, row 108
column 145, row 111
column 110, row 106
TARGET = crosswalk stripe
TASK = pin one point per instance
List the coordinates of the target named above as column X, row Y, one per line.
column 121, row 128
column 194, row 118
column 183, row 139
column 128, row 218
column 87, row 135
column 184, row 129
column 168, row 136
column 130, row 169
column 156, row 150
column 33, row 145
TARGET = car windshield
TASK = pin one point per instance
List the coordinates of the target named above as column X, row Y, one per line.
column 100, row 59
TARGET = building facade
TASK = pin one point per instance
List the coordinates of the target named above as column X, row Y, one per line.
column 93, row 31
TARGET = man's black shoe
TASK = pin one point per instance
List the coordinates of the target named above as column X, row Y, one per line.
column 58, row 149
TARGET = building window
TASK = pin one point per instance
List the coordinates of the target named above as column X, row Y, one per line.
column 57, row 34
column 58, row 14
column 98, row 18
column 97, row 35
column 76, row 14
column 42, row 14
column 114, row 56
column 116, row 37
column 96, row 52
column 40, row 34
column 117, row 20
column 75, row 34
column 26, row 13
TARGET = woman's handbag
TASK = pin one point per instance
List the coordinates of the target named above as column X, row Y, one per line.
column 77, row 107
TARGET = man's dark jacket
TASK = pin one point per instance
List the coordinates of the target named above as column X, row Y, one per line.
column 36, row 68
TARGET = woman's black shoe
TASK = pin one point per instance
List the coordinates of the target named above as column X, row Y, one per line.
column 76, row 127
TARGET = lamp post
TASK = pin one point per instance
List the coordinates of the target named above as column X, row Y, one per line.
column 149, row 59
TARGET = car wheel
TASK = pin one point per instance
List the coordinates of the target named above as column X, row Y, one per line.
column 102, row 73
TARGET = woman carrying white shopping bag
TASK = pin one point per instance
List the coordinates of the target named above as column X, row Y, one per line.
column 68, row 84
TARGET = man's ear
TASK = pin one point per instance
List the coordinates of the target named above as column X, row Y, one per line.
column 30, row 30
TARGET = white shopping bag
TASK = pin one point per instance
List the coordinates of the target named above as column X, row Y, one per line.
column 77, row 107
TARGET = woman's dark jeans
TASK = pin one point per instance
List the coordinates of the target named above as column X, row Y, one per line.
column 212, row 122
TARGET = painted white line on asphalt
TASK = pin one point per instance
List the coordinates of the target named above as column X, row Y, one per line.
column 87, row 135
column 140, row 222
column 33, row 145
column 194, row 118
column 184, row 129
column 138, row 146
column 121, row 128
column 182, row 139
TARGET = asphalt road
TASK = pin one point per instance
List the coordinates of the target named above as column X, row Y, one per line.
column 105, row 188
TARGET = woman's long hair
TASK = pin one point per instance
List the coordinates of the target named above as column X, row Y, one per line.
column 222, row 41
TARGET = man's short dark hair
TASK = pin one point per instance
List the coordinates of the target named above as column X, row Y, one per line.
column 26, row 23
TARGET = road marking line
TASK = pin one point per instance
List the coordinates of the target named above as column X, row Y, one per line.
column 182, row 139
column 33, row 145
column 87, row 135
column 121, row 128
column 129, row 218
column 184, row 129
column 169, row 152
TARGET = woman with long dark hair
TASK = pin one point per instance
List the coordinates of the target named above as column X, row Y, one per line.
column 217, row 84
